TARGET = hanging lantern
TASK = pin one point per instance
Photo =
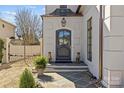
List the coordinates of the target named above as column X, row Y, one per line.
column 63, row 22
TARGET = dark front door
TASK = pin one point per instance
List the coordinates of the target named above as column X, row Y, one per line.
column 63, row 45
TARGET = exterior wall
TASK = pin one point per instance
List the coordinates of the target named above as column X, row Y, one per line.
column 6, row 32
column 91, row 11
column 51, row 24
column 51, row 8
column 113, row 70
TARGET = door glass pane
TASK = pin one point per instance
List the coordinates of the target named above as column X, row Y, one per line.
column 60, row 37
column 60, row 41
column 61, row 34
column 66, row 38
column 66, row 41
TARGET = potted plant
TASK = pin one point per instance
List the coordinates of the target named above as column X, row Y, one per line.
column 1, row 50
column 40, row 63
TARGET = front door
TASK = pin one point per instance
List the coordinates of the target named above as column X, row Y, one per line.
column 63, row 45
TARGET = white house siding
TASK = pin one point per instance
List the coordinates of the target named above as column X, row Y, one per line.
column 51, row 8
column 113, row 73
column 51, row 24
column 91, row 11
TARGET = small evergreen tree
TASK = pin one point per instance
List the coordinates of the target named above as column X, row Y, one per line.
column 27, row 80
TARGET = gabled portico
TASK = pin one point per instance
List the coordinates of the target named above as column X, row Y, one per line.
column 62, row 29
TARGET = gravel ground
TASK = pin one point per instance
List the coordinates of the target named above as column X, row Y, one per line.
column 10, row 73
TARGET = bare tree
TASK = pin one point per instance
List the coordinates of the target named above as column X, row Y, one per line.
column 29, row 26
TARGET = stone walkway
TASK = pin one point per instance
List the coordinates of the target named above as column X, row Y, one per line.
column 66, row 80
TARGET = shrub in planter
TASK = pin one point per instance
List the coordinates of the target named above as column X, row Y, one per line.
column 27, row 80
column 40, row 63
column 1, row 49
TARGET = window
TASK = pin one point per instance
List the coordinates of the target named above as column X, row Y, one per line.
column 63, row 6
column 89, row 39
column 3, row 25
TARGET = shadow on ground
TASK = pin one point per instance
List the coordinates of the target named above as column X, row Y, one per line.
column 5, row 66
column 45, row 78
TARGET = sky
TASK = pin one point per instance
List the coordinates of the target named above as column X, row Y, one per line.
column 8, row 12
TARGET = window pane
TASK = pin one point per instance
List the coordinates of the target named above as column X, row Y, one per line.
column 89, row 39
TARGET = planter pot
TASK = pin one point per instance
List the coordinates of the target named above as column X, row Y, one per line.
column 40, row 72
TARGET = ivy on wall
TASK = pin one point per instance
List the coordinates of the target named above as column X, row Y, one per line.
column 1, row 49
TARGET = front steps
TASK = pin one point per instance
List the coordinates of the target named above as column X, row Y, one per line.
column 66, row 67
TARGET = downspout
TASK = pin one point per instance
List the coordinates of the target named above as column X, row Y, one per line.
column 97, row 82
column 101, row 44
